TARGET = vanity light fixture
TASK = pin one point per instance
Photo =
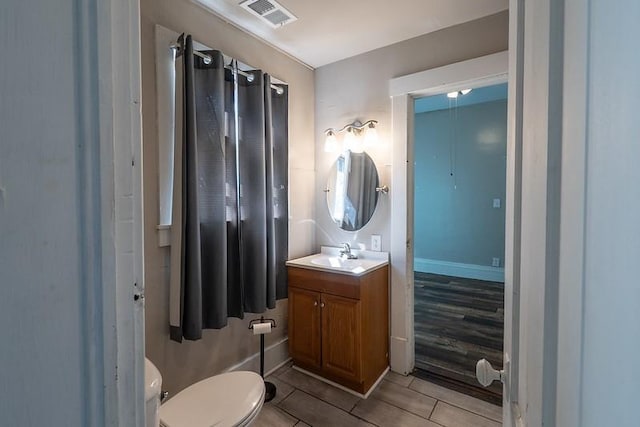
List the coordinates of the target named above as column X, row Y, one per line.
column 357, row 136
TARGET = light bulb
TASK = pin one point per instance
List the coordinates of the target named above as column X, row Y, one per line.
column 465, row 91
column 330, row 142
column 452, row 94
column 358, row 144
column 371, row 135
column 349, row 140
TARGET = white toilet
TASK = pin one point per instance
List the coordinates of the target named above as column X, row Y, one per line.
column 225, row 400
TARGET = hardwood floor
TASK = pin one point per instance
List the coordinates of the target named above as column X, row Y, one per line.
column 398, row 401
column 457, row 322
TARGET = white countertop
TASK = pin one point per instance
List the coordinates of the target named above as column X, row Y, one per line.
column 329, row 260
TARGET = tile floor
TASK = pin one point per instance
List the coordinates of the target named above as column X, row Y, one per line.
column 398, row 401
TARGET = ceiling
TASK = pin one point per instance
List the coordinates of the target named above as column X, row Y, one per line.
column 327, row 31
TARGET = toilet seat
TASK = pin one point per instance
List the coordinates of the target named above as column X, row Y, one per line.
column 225, row 400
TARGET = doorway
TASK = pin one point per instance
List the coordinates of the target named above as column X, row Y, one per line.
column 459, row 235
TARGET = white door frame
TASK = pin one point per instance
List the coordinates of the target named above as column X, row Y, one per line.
column 573, row 217
column 511, row 413
column 117, row 32
column 478, row 72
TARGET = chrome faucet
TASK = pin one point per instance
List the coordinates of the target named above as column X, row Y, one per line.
column 345, row 252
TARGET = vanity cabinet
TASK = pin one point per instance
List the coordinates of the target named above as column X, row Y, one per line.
column 305, row 327
column 339, row 325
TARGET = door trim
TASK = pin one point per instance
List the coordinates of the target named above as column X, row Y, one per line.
column 116, row 28
column 477, row 72
column 573, row 214
column 513, row 212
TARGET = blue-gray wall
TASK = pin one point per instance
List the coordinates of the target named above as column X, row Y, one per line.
column 454, row 216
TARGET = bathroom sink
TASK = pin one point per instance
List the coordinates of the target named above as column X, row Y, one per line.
column 329, row 259
column 332, row 261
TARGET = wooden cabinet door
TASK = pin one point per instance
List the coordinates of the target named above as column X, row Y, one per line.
column 341, row 336
column 304, row 327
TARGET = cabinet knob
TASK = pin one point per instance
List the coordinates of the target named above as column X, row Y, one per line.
column 321, row 305
column 315, row 303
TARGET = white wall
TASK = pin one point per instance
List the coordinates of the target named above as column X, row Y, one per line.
column 358, row 88
column 183, row 364
column 612, row 218
column 599, row 378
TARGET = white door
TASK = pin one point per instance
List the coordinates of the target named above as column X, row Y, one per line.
column 70, row 241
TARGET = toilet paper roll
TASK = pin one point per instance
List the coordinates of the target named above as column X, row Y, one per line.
column 261, row 328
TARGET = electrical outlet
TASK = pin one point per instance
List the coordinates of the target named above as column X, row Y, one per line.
column 376, row 242
column 495, row 262
column 496, row 203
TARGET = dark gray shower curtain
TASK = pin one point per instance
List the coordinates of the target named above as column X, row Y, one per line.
column 234, row 193
column 277, row 136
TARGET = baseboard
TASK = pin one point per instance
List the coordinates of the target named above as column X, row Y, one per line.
column 275, row 355
column 340, row 386
column 457, row 269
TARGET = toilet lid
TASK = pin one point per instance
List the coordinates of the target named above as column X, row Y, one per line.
column 222, row 400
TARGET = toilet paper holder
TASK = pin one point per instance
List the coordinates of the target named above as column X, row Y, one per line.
column 261, row 320
column 270, row 388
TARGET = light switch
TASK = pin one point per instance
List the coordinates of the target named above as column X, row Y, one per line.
column 376, row 242
column 496, row 203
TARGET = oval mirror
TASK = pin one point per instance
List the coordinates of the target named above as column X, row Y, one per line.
column 351, row 190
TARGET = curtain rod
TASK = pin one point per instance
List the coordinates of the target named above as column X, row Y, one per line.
column 207, row 60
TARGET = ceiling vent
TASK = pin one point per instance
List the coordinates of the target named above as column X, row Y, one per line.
column 269, row 11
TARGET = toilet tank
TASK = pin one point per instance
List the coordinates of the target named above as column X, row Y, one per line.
column 152, row 387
